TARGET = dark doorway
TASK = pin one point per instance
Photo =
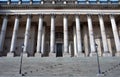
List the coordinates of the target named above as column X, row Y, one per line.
column 59, row 50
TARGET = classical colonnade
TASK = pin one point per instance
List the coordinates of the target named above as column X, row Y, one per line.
column 77, row 38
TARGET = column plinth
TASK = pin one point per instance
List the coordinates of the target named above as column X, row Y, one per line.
column 117, row 53
column 106, row 54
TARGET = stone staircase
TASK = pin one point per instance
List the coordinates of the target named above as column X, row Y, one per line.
column 59, row 67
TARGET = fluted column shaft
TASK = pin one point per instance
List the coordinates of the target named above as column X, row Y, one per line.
column 91, row 35
column 79, row 44
column 3, row 32
column 65, row 27
column 52, row 34
column 43, row 41
column 103, row 34
column 39, row 36
column 14, row 36
column 115, row 33
column 27, row 34
column 75, row 41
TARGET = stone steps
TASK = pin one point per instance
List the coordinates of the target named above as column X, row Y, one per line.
column 59, row 67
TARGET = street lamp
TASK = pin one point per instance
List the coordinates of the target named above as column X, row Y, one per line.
column 21, row 55
column 99, row 70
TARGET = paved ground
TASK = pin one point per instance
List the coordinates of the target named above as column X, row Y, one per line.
column 59, row 67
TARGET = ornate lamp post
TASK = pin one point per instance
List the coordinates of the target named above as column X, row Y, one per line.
column 99, row 70
column 21, row 59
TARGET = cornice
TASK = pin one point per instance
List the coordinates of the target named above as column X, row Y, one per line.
column 59, row 12
column 62, row 6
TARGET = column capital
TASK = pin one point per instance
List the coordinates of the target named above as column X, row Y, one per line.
column 100, row 15
column 30, row 16
column 41, row 15
column 111, row 15
column 89, row 15
column 53, row 15
column 77, row 15
column 65, row 15
column 5, row 16
column 17, row 16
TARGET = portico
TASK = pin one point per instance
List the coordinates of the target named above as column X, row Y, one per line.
column 60, row 34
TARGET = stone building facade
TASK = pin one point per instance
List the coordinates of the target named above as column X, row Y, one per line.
column 60, row 28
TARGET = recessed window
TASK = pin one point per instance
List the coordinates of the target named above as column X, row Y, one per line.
column 114, row 1
column 92, row 1
column 81, row 1
column 36, row 1
column 14, row 1
column 25, row 1
column 103, row 1
column 3, row 1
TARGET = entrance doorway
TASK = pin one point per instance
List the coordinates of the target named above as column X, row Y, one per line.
column 59, row 50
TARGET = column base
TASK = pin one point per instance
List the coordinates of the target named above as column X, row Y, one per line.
column 37, row 54
column 93, row 54
column 107, row 54
column 25, row 55
column 0, row 53
column 81, row 55
column 52, row 54
column 10, row 54
column 117, row 54
column 66, row 55
column 100, row 75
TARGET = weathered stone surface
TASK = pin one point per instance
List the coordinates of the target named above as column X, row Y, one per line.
column 59, row 67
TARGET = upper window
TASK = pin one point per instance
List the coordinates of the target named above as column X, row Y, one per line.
column 114, row 1
column 92, row 1
column 36, row 1
column 14, row 1
column 103, row 1
column 3, row 1
column 81, row 1
column 25, row 1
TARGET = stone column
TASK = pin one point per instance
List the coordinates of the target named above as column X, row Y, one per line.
column 86, row 40
column 9, row 2
column 110, row 46
column 115, row 34
column 75, row 41
column 53, row 2
column 91, row 36
column 104, row 38
column 65, row 27
column 2, row 35
column 99, row 49
column 79, row 44
column 14, row 36
column 52, row 35
column 19, row 2
column 39, row 36
column 27, row 34
column 70, row 49
column 43, row 41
